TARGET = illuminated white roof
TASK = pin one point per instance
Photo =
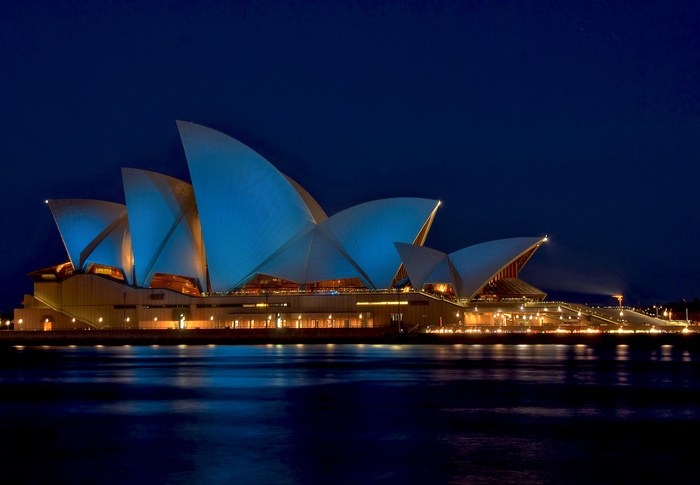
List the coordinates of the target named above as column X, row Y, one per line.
column 314, row 207
column 420, row 263
column 253, row 219
column 94, row 231
column 478, row 264
column 355, row 243
column 164, row 224
column 468, row 269
column 367, row 233
column 247, row 208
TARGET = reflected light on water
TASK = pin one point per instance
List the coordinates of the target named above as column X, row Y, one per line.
column 622, row 352
column 313, row 413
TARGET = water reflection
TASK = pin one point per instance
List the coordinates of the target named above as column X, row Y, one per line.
column 346, row 413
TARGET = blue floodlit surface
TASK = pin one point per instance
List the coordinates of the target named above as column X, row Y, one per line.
column 291, row 262
column 115, row 250
column 82, row 221
column 247, row 208
column 367, row 232
column 420, row 263
column 161, row 213
column 479, row 263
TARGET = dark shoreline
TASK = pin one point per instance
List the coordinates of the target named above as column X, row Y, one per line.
column 334, row 336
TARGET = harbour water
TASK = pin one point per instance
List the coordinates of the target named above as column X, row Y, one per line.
column 349, row 414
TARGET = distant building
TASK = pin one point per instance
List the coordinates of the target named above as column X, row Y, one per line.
column 245, row 246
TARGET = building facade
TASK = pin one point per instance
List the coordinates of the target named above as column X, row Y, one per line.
column 245, row 246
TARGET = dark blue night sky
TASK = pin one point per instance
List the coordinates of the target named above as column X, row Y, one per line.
column 580, row 120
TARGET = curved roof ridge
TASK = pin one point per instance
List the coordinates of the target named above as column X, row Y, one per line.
column 435, row 203
column 367, row 233
column 94, row 231
column 420, row 262
column 247, row 208
column 165, row 235
column 479, row 263
column 314, row 207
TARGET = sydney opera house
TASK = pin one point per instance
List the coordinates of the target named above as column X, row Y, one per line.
column 245, row 246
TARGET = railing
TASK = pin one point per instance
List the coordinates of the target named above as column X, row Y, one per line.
column 68, row 314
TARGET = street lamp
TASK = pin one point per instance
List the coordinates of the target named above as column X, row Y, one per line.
column 619, row 299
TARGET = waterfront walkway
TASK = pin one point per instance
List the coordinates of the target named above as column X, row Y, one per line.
column 379, row 335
